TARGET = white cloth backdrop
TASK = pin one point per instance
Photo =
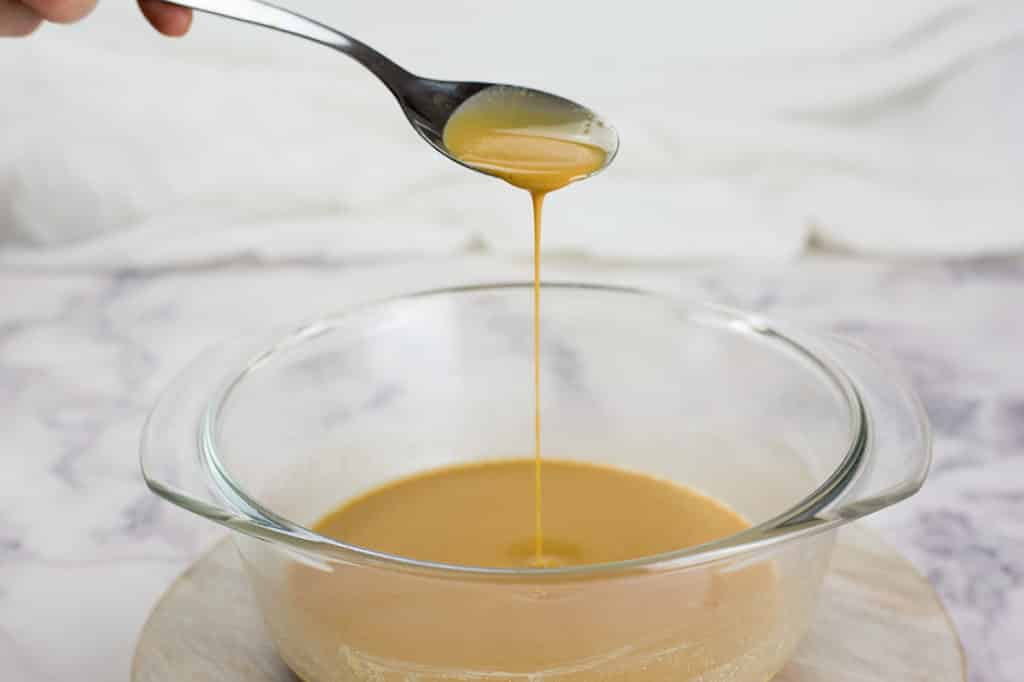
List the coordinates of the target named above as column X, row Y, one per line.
column 748, row 129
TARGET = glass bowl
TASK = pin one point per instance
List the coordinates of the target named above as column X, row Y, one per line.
column 798, row 433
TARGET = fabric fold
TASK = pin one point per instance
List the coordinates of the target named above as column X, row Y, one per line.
column 747, row 132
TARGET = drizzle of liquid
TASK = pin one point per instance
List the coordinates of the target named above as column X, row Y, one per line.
column 539, row 144
column 538, row 497
column 367, row 623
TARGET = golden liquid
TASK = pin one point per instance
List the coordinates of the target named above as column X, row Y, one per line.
column 359, row 621
column 369, row 622
column 538, row 497
column 527, row 141
column 477, row 515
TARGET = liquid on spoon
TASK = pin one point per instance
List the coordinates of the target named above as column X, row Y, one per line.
column 535, row 141
column 540, row 143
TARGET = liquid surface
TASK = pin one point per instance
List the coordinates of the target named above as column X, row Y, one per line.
column 539, row 143
column 536, row 142
column 480, row 515
column 355, row 621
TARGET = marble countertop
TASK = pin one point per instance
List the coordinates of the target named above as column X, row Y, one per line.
column 86, row 550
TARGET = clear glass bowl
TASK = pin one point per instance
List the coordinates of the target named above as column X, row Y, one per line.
column 800, row 434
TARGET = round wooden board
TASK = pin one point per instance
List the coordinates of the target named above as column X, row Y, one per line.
column 878, row 621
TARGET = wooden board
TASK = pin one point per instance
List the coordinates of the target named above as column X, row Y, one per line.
column 878, row 621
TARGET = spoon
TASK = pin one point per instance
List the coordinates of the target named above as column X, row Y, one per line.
column 426, row 102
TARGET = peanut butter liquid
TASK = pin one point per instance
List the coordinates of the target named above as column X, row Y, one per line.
column 477, row 515
column 364, row 623
column 510, row 134
column 474, row 515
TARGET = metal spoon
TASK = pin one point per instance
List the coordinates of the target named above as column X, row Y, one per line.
column 427, row 103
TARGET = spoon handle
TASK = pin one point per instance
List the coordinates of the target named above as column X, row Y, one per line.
column 271, row 16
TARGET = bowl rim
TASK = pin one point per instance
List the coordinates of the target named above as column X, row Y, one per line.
column 800, row 520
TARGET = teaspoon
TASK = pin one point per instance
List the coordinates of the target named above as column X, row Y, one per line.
column 429, row 103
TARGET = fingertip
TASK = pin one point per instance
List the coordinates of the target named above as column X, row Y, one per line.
column 28, row 27
column 17, row 20
column 179, row 23
column 170, row 20
column 62, row 11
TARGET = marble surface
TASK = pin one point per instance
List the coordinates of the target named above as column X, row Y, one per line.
column 85, row 549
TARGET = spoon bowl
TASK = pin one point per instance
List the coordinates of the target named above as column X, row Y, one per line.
column 529, row 138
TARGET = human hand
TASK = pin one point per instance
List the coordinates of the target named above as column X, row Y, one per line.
column 22, row 17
